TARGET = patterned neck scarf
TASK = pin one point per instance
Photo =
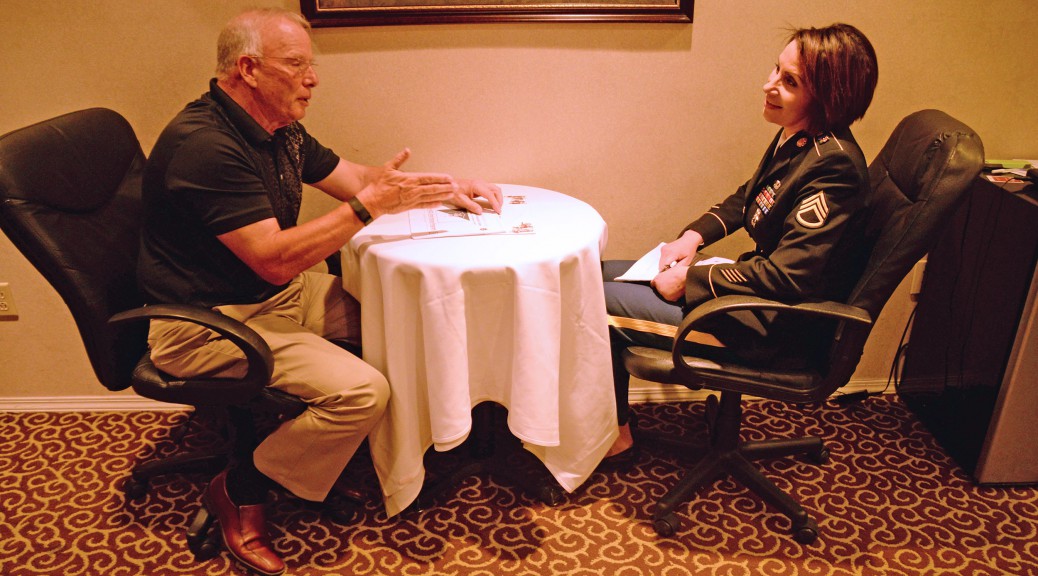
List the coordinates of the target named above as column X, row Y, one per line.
column 282, row 174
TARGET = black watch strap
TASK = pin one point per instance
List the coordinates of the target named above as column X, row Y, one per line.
column 362, row 213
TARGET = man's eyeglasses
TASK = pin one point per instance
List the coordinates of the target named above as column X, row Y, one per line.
column 298, row 66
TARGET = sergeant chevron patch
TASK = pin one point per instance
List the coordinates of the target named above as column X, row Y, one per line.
column 813, row 211
column 732, row 275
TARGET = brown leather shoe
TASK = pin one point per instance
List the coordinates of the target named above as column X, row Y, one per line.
column 244, row 528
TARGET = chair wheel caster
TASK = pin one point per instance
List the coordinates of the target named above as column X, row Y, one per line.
column 342, row 514
column 202, row 539
column 820, row 457
column 207, row 549
column 666, row 526
column 550, row 495
column 135, row 489
column 806, row 533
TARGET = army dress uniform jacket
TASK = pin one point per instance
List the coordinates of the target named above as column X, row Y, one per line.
column 805, row 209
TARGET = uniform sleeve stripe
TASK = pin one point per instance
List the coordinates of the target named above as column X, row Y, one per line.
column 732, row 275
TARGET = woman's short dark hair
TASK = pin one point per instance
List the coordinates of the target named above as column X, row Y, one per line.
column 839, row 66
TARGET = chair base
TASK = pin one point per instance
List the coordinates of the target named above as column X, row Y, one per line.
column 727, row 456
column 208, row 463
column 236, row 434
column 239, row 428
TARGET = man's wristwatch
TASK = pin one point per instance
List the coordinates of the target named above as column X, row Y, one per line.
column 362, row 213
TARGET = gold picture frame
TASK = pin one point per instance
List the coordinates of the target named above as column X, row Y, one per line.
column 327, row 13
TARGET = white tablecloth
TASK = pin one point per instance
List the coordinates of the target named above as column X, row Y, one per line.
column 517, row 319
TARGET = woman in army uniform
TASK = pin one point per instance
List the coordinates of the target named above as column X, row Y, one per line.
column 804, row 208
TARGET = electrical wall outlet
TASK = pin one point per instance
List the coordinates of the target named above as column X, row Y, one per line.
column 918, row 271
column 7, row 309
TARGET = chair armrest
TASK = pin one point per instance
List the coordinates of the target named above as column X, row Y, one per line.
column 844, row 313
column 259, row 358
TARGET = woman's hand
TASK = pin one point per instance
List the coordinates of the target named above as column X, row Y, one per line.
column 681, row 251
column 671, row 282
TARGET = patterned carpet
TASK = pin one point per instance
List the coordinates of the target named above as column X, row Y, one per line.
column 889, row 502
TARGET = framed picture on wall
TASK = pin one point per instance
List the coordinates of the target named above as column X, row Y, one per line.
column 322, row 13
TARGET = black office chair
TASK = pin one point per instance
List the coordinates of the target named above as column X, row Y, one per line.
column 918, row 180
column 70, row 201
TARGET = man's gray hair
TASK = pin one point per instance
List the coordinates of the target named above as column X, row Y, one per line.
column 242, row 36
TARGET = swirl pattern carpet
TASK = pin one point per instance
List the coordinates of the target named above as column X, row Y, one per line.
column 889, row 502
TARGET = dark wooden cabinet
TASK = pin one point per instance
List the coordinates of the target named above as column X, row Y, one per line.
column 971, row 366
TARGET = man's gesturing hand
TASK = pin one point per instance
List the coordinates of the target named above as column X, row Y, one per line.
column 396, row 191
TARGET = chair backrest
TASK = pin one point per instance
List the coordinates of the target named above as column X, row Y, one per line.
column 919, row 179
column 70, row 201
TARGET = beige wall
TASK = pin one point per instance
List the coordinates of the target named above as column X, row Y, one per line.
column 649, row 123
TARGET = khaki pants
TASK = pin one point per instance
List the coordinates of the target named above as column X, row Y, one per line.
column 346, row 396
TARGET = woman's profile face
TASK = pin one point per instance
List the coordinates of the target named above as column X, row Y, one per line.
column 786, row 99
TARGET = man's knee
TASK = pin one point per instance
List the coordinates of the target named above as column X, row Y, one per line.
column 366, row 394
column 374, row 392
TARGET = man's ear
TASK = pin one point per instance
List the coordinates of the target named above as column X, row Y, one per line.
column 247, row 69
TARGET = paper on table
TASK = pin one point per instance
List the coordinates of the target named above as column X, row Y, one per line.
column 449, row 221
column 648, row 266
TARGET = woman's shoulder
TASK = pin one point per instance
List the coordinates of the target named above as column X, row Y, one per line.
column 836, row 150
column 833, row 161
column 836, row 143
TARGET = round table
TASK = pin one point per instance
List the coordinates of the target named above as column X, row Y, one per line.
column 513, row 318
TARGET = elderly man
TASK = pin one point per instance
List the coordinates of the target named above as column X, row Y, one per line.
column 222, row 192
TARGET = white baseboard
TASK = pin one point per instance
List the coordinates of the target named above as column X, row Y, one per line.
column 108, row 403
column 641, row 391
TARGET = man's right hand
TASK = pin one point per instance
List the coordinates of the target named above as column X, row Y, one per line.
column 396, row 191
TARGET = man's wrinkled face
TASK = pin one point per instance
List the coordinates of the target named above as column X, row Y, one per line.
column 285, row 74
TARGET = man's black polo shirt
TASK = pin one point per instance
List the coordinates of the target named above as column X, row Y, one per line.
column 214, row 170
